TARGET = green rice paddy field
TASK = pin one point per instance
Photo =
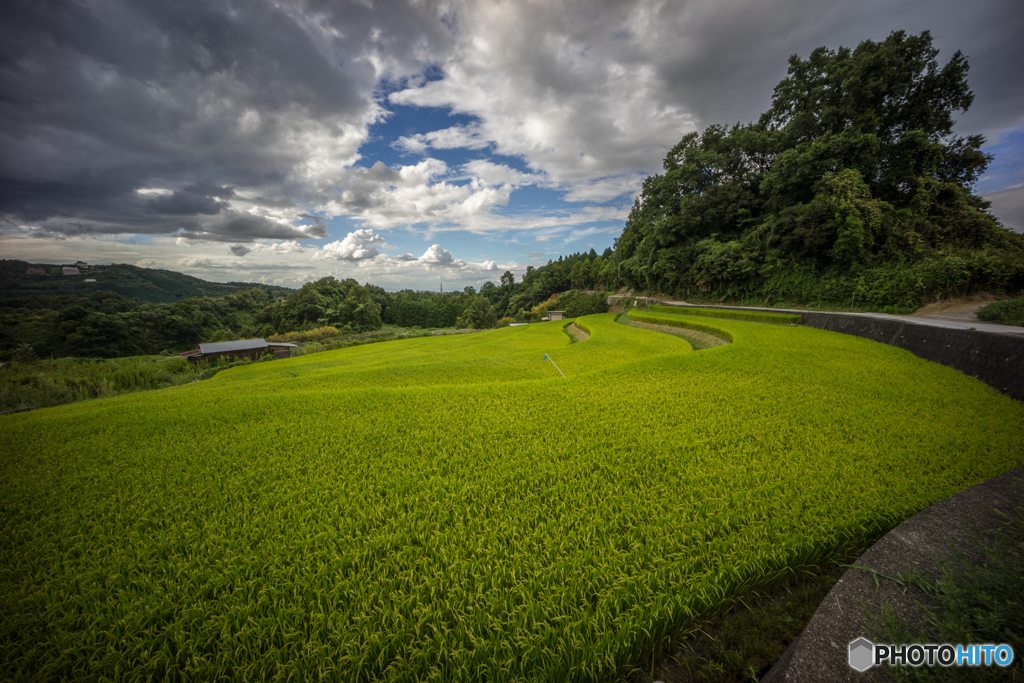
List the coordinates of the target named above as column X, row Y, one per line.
column 452, row 509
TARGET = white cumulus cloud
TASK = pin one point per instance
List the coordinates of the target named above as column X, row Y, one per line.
column 290, row 247
column 360, row 248
column 455, row 137
column 383, row 197
column 357, row 246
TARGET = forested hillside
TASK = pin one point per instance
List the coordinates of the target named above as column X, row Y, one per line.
column 104, row 324
column 107, row 325
column 853, row 184
column 148, row 284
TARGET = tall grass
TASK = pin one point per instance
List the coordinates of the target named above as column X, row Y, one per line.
column 53, row 382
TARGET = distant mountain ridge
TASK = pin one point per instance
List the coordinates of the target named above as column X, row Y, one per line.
column 21, row 279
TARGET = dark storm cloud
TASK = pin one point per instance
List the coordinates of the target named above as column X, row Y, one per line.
column 235, row 227
column 1008, row 205
column 199, row 198
column 593, row 94
column 730, row 54
column 101, row 99
column 185, row 204
column 231, row 121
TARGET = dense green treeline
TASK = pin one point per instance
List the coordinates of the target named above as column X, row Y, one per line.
column 339, row 303
column 409, row 308
column 528, row 300
column 582, row 271
column 107, row 325
column 852, row 184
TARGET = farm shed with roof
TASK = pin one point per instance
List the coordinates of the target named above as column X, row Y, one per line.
column 252, row 349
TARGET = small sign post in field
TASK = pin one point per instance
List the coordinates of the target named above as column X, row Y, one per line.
column 546, row 357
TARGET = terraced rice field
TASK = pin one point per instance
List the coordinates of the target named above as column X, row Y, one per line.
column 452, row 509
column 738, row 314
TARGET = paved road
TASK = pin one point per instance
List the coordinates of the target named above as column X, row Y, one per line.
column 964, row 315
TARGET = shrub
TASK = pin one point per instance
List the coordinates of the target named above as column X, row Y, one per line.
column 24, row 353
column 576, row 303
column 318, row 334
column 1009, row 312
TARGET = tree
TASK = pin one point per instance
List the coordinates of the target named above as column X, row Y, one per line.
column 222, row 335
column 359, row 312
column 507, row 279
column 479, row 315
column 379, row 296
column 24, row 353
column 574, row 276
column 852, row 175
column 884, row 109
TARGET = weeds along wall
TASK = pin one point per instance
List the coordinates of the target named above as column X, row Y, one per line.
column 451, row 508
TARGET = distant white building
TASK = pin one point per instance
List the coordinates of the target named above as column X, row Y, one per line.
column 89, row 279
column 556, row 315
column 71, row 270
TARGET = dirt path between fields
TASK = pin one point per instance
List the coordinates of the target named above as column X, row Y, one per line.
column 697, row 339
column 579, row 334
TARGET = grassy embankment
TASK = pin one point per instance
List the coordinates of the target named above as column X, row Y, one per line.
column 451, row 508
column 43, row 383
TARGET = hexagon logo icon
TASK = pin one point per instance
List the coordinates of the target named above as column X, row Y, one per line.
column 862, row 653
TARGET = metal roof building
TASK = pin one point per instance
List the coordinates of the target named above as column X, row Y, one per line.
column 228, row 346
column 245, row 348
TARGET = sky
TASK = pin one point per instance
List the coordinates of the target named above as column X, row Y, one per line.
column 409, row 144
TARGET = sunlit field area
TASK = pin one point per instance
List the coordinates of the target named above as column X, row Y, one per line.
column 453, row 509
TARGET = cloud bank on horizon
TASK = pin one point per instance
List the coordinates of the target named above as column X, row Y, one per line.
column 281, row 142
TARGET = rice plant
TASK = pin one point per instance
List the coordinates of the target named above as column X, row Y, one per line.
column 453, row 509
